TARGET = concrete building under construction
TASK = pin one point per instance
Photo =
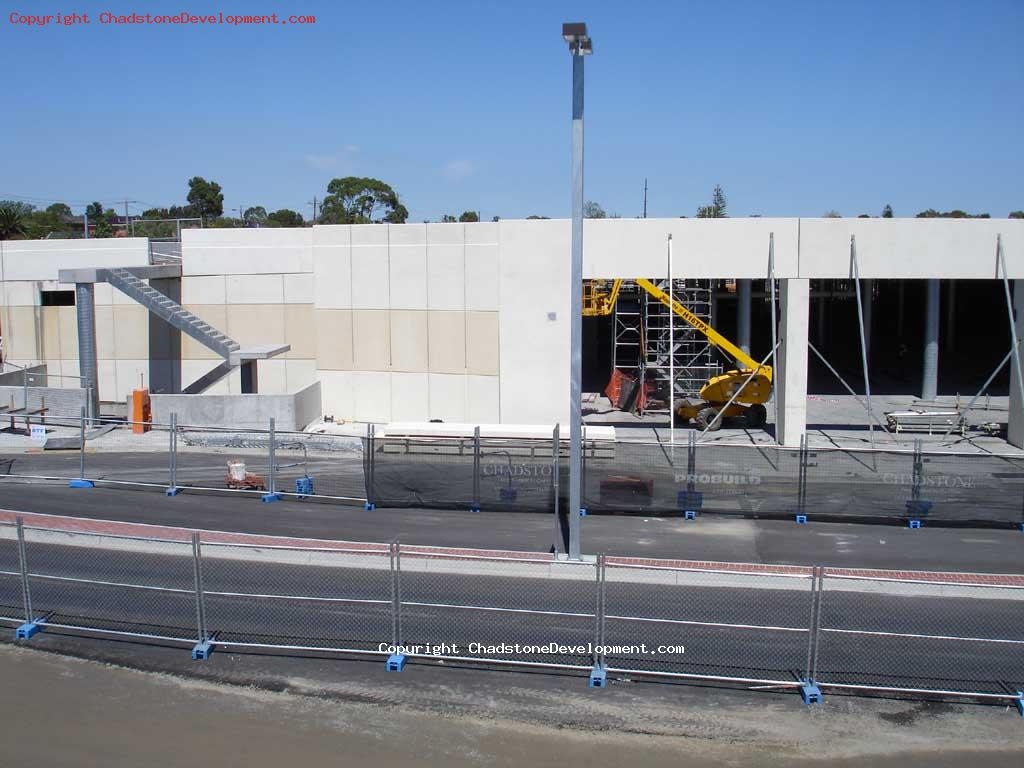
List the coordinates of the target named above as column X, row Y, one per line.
column 469, row 322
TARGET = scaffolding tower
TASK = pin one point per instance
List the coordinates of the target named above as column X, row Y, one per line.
column 651, row 346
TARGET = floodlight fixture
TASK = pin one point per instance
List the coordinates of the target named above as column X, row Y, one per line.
column 575, row 34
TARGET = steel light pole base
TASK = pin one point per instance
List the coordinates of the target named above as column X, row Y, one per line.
column 268, row 498
column 810, row 693
column 395, row 662
column 203, row 650
column 598, row 677
column 81, row 484
column 27, row 630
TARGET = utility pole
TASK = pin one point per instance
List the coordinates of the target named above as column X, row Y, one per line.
column 645, row 197
column 85, row 218
column 314, row 209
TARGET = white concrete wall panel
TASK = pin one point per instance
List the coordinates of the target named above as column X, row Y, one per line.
column 482, row 277
column 337, row 394
column 300, row 374
column 910, row 248
column 407, row 276
column 371, row 392
column 409, row 341
column 702, row 248
column 446, row 276
column 205, row 289
column 255, row 289
column 266, row 250
column 272, row 376
column 299, row 288
column 448, row 397
column 447, row 342
column 332, row 288
column 42, row 259
column 534, row 321
column 370, row 276
column 410, row 399
column 371, row 340
column 483, row 402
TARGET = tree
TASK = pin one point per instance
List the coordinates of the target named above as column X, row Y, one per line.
column 94, row 211
column 59, row 210
column 718, row 203
column 469, row 217
column 1017, row 214
column 448, row 219
column 205, row 198
column 285, row 217
column 887, row 212
column 535, row 216
column 592, row 210
column 956, row 213
column 12, row 222
column 357, row 200
column 255, row 216
column 832, row 214
column 718, row 209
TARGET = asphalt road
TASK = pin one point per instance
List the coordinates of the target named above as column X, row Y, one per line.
column 708, row 538
column 337, row 606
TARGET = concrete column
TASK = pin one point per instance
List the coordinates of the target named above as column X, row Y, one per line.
column 88, row 368
column 791, row 371
column 743, row 315
column 950, row 336
column 930, row 378
column 165, row 343
column 1015, row 431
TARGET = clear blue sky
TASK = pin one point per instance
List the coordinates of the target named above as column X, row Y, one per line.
column 794, row 108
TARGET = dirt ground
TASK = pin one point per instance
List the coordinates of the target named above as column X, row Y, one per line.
column 62, row 711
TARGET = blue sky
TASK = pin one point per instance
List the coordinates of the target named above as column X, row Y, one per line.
column 794, row 108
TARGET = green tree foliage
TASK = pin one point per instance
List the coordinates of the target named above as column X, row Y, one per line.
column 448, row 219
column 956, row 213
column 358, row 200
column 535, row 216
column 255, row 216
column 593, row 210
column 285, row 217
column 205, row 198
column 94, row 211
column 832, row 214
column 469, row 216
column 1017, row 214
column 12, row 222
column 887, row 212
column 718, row 209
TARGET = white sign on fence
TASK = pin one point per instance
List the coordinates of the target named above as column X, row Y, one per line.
column 38, row 432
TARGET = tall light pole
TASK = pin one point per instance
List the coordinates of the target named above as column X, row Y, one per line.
column 580, row 45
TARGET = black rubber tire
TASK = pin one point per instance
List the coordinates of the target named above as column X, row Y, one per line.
column 757, row 416
column 705, row 419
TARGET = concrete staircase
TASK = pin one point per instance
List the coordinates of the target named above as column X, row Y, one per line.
column 172, row 312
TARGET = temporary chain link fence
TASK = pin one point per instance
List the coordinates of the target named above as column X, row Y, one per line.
column 763, row 626
column 520, row 474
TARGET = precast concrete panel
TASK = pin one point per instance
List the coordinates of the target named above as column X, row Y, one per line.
column 409, row 341
column 446, row 276
column 410, row 398
column 371, row 395
column 407, row 276
column 483, row 404
column 447, row 397
column 255, row 289
column 202, row 289
column 370, row 277
column 264, row 250
column 910, row 248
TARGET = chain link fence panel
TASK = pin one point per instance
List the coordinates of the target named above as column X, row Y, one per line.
column 131, row 586
column 298, row 597
column 12, row 607
column 710, row 621
column 503, row 609
column 943, row 632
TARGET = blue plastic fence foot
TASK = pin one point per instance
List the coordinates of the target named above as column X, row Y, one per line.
column 81, row 484
column 369, row 506
column 26, row 630
column 583, row 512
column 267, row 498
column 689, row 515
column 914, row 524
column 395, row 662
column 202, row 651
column 1020, row 703
column 801, row 519
column 810, row 693
column 474, row 507
column 174, row 491
column 1021, row 526
column 598, row 677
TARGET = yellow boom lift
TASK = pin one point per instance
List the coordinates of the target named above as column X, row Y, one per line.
column 599, row 299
